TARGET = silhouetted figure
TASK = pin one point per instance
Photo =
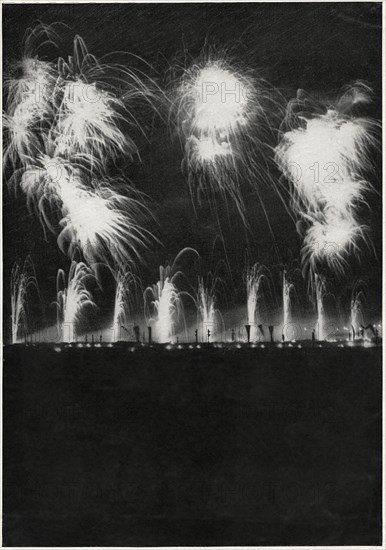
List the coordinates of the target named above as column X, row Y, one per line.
column 196, row 335
column 149, row 333
column 100, row 339
column 248, row 329
column 208, row 335
column 233, row 335
column 270, row 328
column 136, row 333
column 282, row 337
column 313, row 336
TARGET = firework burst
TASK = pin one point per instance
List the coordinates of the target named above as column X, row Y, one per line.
column 326, row 155
column 88, row 123
column 103, row 223
column 330, row 239
column 96, row 105
column 222, row 120
column 64, row 123
column 29, row 86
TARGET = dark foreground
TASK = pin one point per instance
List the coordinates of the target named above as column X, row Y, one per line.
column 103, row 447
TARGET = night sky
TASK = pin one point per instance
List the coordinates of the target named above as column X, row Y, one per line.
column 316, row 47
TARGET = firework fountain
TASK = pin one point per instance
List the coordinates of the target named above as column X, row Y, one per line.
column 122, row 303
column 166, row 303
column 72, row 298
column 288, row 288
column 208, row 314
column 320, row 292
column 356, row 318
column 22, row 280
column 254, row 279
column 163, row 300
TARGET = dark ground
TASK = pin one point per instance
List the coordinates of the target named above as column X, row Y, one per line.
column 244, row 447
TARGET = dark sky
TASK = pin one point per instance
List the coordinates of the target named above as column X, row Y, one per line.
column 319, row 47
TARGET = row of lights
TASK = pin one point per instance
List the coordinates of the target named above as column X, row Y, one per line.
column 169, row 347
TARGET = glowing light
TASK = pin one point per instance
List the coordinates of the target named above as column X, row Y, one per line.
column 368, row 344
column 211, row 111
